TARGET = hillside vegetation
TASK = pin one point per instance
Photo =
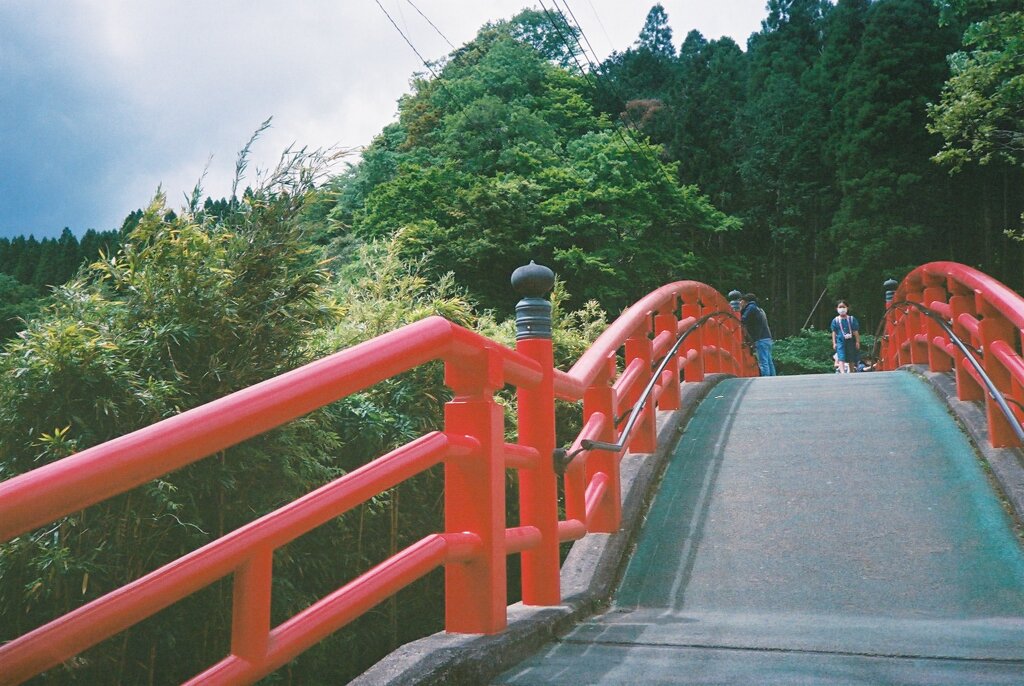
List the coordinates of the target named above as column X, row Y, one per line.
column 841, row 147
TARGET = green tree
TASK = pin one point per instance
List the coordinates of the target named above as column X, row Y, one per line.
column 502, row 160
column 656, row 34
column 894, row 206
column 551, row 36
column 706, row 104
column 788, row 182
column 844, row 28
column 980, row 115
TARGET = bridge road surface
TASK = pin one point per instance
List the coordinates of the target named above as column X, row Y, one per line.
column 811, row 529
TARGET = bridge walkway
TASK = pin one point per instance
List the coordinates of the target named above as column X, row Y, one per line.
column 812, row 529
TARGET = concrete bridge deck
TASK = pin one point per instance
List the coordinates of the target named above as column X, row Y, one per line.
column 812, row 529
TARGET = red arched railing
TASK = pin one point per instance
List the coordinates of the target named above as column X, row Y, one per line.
column 984, row 314
column 476, row 540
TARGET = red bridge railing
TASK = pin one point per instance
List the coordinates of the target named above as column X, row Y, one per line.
column 471, row 446
column 987, row 316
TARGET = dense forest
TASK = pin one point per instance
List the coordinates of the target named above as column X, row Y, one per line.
column 30, row 267
column 825, row 158
column 847, row 142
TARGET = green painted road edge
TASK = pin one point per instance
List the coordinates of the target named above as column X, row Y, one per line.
column 589, row 577
column 595, row 564
column 1004, row 466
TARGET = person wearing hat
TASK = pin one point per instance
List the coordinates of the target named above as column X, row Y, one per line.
column 734, row 300
column 756, row 324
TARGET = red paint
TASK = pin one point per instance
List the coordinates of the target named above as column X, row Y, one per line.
column 477, row 538
column 984, row 313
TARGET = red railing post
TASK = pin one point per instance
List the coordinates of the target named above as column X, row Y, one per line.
column 693, row 347
column 538, row 487
column 645, row 433
column 601, row 398
column 250, row 602
column 474, row 496
column 994, row 327
column 961, row 302
column 670, row 396
column 935, row 292
column 914, row 326
column 712, row 340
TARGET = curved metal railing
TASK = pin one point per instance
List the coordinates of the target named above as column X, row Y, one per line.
column 984, row 318
column 470, row 445
column 969, row 354
column 563, row 456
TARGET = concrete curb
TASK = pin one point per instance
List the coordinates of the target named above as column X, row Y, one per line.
column 1006, row 464
column 588, row 579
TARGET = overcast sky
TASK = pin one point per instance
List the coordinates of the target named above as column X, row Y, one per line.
column 102, row 101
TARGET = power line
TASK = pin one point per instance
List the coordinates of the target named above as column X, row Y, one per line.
column 651, row 154
column 588, row 76
column 595, row 65
column 406, row 38
column 580, row 28
column 601, row 24
column 628, row 122
column 644, row 147
column 432, row 24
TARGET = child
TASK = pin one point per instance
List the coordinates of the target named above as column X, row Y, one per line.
column 846, row 338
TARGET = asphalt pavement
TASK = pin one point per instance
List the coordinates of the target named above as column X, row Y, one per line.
column 812, row 529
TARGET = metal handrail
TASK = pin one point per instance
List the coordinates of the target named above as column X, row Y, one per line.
column 563, row 457
column 968, row 352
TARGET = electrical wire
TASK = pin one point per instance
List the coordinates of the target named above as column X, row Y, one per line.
column 427, row 19
column 573, row 27
column 601, row 24
column 406, row 38
column 595, row 67
column 644, row 147
column 580, row 29
column 587, row 75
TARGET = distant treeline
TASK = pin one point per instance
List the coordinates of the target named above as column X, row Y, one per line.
column 30, row 268
column 52, row 261
column 43, row 264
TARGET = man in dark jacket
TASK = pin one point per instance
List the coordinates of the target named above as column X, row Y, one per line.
column 756, row 324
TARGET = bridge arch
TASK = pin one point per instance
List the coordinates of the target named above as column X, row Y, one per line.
column 686, row 330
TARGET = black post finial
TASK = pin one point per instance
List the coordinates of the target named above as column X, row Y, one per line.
column 890, row 289
column 533, row 313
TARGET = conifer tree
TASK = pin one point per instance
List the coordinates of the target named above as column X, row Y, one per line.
column 783, row 170
column 894, row 207
column 656, row 34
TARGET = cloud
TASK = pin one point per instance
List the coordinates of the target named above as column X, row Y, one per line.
column 101, row 102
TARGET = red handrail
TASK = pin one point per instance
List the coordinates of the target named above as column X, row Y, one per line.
column 984, row 313
column 471, row 447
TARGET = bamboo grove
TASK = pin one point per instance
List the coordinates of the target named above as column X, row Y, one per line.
column 844, row 143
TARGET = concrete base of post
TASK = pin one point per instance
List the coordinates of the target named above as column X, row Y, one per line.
column 588, row 579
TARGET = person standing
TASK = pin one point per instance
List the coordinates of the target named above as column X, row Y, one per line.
column 756, row 324
column 734, row 300
column 846, row 338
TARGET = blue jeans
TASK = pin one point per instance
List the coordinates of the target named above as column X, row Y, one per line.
column 764, row 356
